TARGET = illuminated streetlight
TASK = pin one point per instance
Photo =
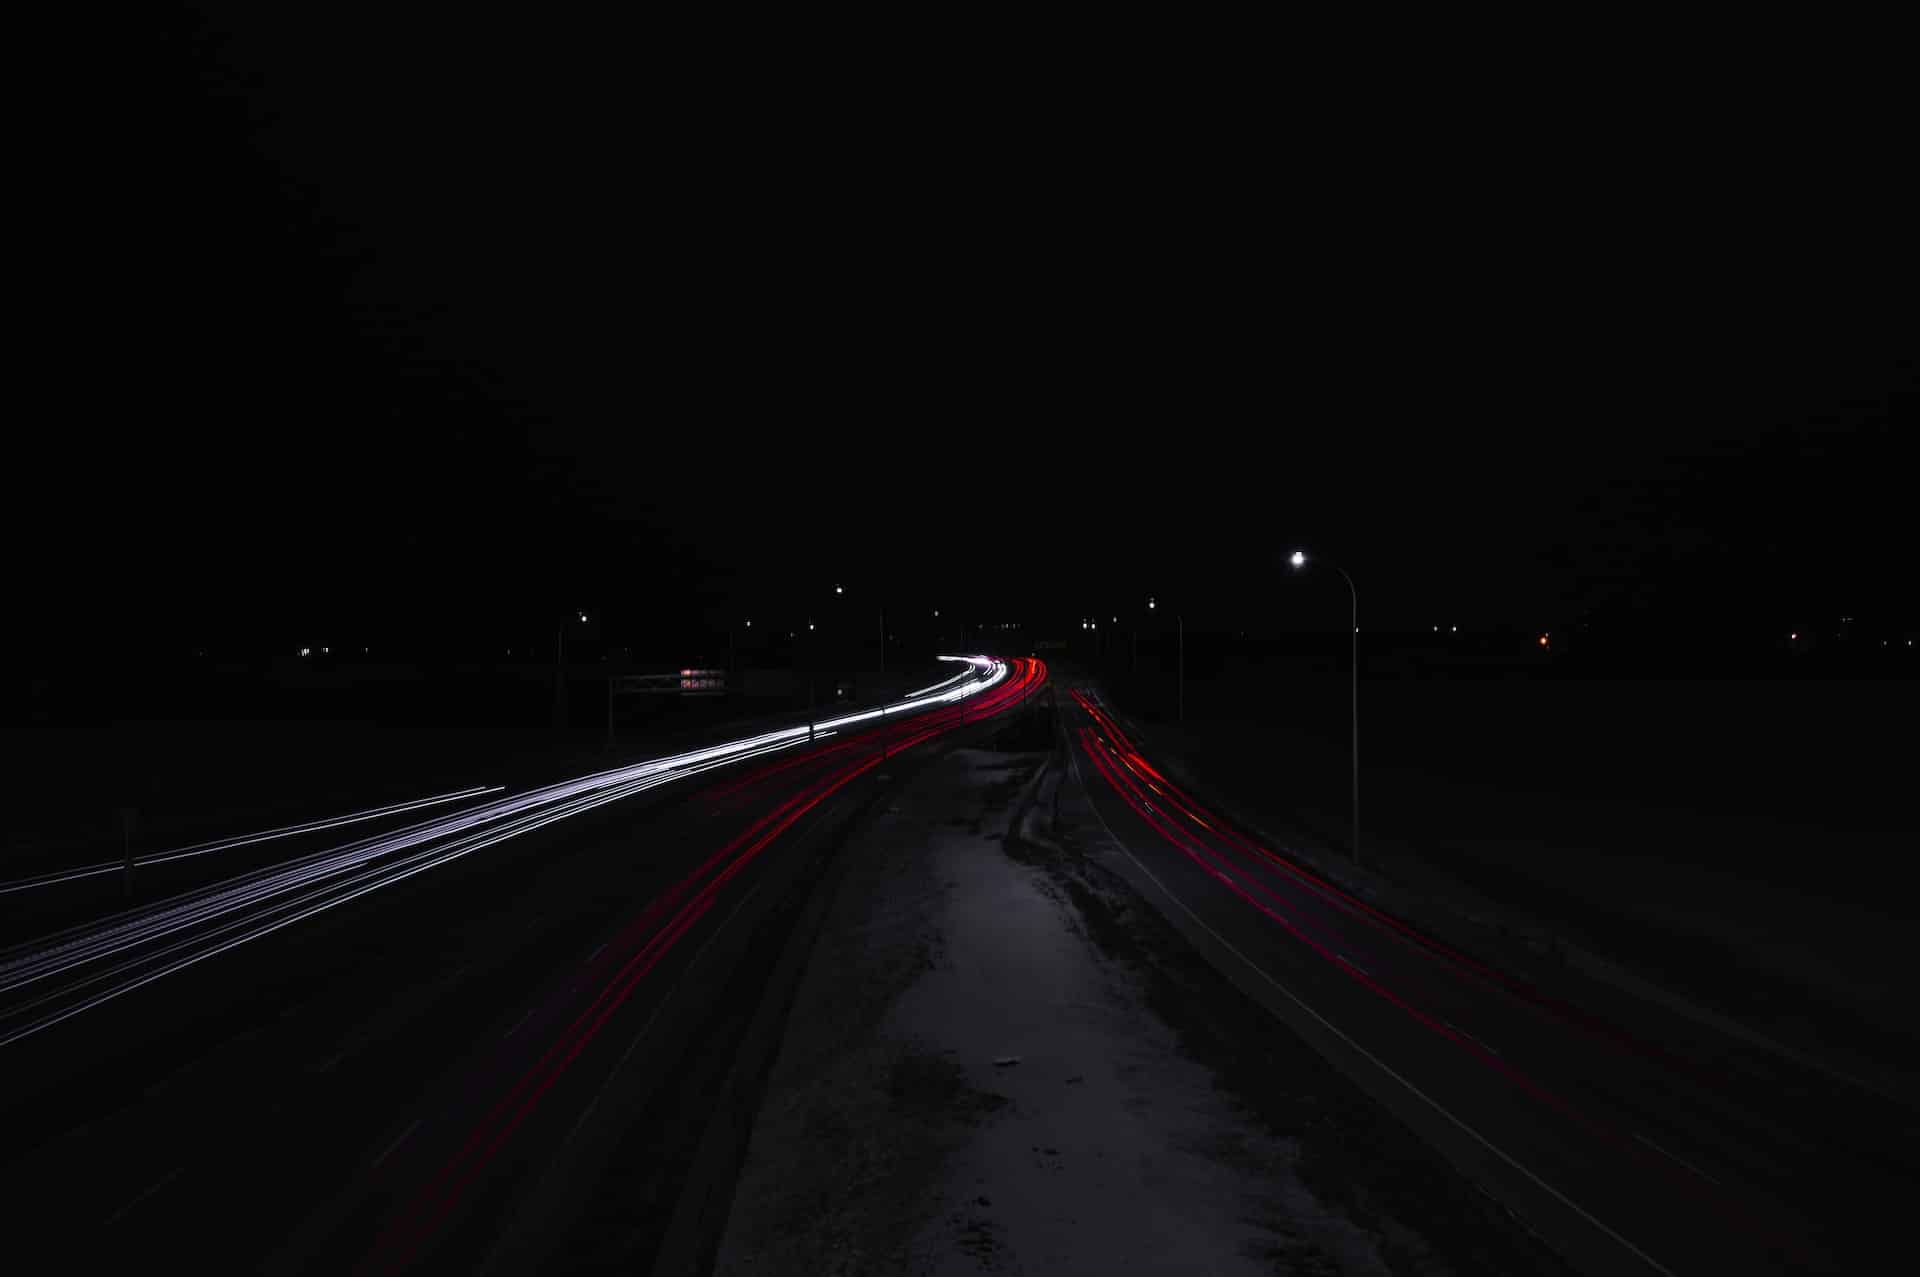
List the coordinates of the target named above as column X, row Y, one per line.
column 1299, row 560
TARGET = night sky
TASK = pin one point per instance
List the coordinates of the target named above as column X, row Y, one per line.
column 361, row 322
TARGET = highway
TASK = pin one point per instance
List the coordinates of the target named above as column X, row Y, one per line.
column 439, row 1045
column 1634, row 1140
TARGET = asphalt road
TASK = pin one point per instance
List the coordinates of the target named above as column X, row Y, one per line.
column 1633, row 1140
column 439, row 1071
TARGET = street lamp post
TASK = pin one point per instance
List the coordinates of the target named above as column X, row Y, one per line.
column 1180, row 662
column 1299, row 560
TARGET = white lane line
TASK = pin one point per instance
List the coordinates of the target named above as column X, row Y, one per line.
column 1356, row 966
column 155, row 1187
column 1074, row 758
column 1676, row 1157
column 597, row 952
column 1469, row 1037
column 396, row 1144
column 516, row 1025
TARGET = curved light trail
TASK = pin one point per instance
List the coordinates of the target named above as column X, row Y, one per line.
column 57, row 977
column 623, row 965
column 1436, row 986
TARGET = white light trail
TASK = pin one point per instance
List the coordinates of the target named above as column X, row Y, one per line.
column 244, row 840
column 138, row 947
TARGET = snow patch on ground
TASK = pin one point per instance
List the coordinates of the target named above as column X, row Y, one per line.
column 894, row 1137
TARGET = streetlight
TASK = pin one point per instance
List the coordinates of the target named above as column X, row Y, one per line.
column 838, row 589
column 1180, row 627
column 1299, row 560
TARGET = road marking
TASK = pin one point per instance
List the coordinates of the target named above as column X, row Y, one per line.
column 1356, row 966
column 159, row 1184
column 1676, row 1157
column 597, row 952
column 1469, row 1037
column 397, row 1143
column 330, row 1061
column 1074, row 758
column 516, row 1024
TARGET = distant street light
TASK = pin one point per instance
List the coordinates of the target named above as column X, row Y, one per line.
column 1299, row 560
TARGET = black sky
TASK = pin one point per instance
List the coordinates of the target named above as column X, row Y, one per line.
column 363, row 318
